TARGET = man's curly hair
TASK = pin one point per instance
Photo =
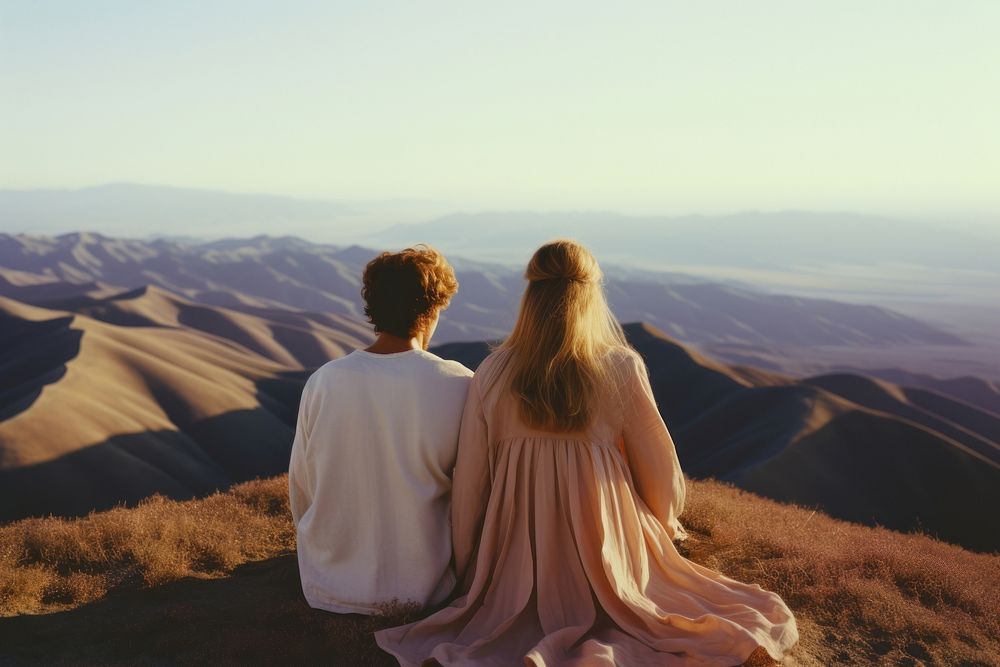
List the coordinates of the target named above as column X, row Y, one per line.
column 403, row 290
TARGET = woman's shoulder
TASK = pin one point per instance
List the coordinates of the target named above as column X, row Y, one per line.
column 624, row 362
column 494, row 360
column 491, row 368
column 623, row 355
column 496, row 356
column 625, row 372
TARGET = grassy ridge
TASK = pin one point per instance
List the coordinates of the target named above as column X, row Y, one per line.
column 215, row 579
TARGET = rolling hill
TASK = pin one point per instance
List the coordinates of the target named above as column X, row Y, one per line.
column 153, row 394
column 292, row 338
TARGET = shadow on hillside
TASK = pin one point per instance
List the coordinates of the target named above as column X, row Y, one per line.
column 203, row 456
column 105, row 308
column 280, row 394
column 35, row 354
column 43, row 294
column 302, row 343
column 256, row 615
column 860, row 447
column 210, row 320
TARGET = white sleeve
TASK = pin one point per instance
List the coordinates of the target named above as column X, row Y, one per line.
column 300, row 488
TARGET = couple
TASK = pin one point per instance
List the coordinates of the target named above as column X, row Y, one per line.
column 540, row 495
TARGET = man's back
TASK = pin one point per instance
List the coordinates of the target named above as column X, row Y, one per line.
column 370, row 476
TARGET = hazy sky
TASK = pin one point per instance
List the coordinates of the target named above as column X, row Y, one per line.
column 671, row 107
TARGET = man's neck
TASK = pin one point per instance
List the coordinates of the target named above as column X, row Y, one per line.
column 390, row 344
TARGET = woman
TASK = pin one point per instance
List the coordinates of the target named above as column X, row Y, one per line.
column 566, row 495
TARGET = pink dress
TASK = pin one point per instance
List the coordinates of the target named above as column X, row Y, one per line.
column 563, row 548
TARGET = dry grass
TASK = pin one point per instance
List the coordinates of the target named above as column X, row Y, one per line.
column 861, row 595
column 48, row 564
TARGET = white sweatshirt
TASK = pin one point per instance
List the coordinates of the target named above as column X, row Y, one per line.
column 370, row 479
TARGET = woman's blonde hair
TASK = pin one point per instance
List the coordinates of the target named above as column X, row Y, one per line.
column 559, row 349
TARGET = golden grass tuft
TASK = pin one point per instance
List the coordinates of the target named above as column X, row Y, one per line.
column 862, row 595
column 50, row 563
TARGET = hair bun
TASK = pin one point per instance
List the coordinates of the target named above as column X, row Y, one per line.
column 563, row 260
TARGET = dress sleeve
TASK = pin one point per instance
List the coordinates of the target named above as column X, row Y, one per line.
column 651, row 454
column 300, row 486
column 471, row 484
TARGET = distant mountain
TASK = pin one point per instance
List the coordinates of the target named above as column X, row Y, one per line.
column 975, row 367
column 262, row 274
column 759, row 239
column 982, row 393
column 754, row 239
column 861, row 449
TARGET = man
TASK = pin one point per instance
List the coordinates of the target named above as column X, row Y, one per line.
column 370, row 472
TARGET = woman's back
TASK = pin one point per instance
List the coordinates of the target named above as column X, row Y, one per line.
column 626, row 426
column 503, row 412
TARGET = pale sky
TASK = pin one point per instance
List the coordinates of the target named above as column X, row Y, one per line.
column 888, row 106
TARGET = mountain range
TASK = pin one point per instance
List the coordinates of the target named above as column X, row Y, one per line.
column 746, row 239
column 262, row 274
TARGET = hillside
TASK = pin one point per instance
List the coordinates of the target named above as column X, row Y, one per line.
column 165, row 396
column 215, row 581
column 289, row 337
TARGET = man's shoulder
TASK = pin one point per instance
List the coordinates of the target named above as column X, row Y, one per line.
column 333, row 365
column 331, row 368
column 446, row 367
